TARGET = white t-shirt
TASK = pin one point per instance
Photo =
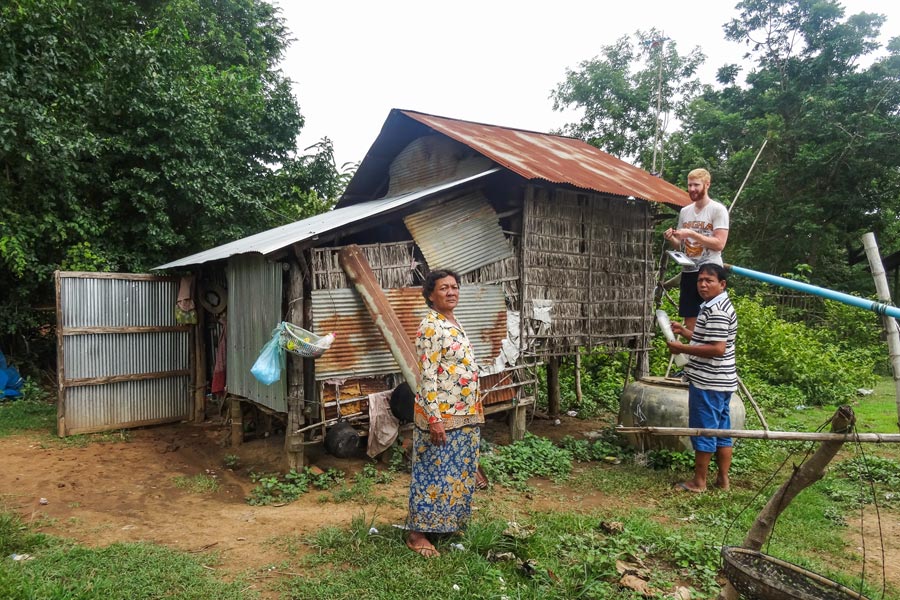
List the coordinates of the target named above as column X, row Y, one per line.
column 704, row 221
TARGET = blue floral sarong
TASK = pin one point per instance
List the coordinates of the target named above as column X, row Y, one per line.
column 443, row 480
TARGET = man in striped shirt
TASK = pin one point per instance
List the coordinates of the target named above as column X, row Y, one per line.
column 711, row 375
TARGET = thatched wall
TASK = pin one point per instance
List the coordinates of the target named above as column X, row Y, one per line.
column 394, row 266
column 590, row 256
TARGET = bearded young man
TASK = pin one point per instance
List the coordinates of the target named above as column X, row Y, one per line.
column 701, row 234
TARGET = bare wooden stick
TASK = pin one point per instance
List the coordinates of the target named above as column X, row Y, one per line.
column 804, row 436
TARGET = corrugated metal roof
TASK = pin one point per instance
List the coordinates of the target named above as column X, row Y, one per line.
column 359, row 349
column 556, row 158
column 272, row 240
column 461, row 235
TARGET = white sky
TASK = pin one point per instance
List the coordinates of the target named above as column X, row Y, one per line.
column 493, row 61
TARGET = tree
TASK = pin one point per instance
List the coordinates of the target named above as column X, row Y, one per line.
column 619, row 90
column 135, row 131
column 829, row 172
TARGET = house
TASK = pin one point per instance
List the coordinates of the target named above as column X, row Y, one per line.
column 553, row 239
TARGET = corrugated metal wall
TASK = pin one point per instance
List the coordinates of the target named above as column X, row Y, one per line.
column 254, row 309
column 124, row 362
column 359, row 350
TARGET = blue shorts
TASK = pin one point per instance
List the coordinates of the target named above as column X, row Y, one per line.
column 708, row 410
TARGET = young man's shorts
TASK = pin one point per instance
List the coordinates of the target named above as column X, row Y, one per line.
column 689, row 299
column 708, row 410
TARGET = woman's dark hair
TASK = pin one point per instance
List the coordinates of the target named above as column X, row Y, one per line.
column 431, row 279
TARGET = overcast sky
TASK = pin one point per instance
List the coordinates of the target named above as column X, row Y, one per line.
column 491, row 61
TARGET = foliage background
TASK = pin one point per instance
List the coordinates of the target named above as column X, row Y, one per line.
column 138, row 131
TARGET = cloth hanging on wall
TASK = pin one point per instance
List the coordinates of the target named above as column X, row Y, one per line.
column 218, row 378
column 185, row 310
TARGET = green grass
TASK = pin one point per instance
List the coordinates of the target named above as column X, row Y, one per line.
column 26, row 415
column 196, row 484
column 62, row 571
column 676, row 536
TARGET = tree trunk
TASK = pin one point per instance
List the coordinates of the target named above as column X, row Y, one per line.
column 803, row 476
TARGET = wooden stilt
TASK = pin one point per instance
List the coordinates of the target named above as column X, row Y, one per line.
column 553, row 386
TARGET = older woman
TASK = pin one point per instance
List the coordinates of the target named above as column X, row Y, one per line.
column 447, row 416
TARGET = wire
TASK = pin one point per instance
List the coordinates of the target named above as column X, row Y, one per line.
column 871, row 483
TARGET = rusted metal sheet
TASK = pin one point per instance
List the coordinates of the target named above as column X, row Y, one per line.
column 497, row 388
column 354, row 263
column 461, row 235
column 123, row 361
column 254, row 309
column 359, row 350
column 532, row 155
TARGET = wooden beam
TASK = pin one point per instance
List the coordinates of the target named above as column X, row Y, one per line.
column 296, row 399
column 134, row 329
column 553, row 386
column 358, row 271
column 806, row 436
column 122, row 378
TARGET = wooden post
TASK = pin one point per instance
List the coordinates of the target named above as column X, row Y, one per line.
column 293, row 441
column 807, row 474
column 517, row 422
column 237, row 422
column 578, row 394
column 890, row 324
column 199, row 340
column 553, row 386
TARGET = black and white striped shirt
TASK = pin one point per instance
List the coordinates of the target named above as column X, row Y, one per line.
column 716, row 322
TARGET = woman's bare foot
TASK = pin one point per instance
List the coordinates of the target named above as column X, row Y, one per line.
column 420, row 544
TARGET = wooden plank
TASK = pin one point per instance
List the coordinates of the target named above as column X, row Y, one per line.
column 126, row 276
column 131, row 377
column 60, row 363
column 358, row 270
column 126, row 329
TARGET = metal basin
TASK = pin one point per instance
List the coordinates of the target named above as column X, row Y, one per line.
column 661, row 402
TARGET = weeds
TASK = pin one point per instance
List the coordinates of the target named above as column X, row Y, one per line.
column 272, row 489
column 197, row 484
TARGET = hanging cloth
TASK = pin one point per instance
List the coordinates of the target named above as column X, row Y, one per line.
column 185, row 311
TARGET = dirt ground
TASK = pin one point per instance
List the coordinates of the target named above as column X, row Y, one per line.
column 124, row 491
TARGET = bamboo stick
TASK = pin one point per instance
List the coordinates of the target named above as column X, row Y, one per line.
column 806, row 436
column 889, row 323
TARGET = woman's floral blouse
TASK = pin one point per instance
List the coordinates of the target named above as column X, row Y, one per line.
column 448, row 388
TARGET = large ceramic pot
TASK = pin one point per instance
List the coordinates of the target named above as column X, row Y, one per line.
column 661, row 402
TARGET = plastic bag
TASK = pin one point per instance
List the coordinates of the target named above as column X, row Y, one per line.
column 267, row 368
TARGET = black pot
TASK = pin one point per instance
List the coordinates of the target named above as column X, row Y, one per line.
column 342, row 440
column 402, row 402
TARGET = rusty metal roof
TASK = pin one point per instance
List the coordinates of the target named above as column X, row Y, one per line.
column 555, row 158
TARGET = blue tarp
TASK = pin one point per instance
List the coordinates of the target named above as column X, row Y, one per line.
column 10, row 380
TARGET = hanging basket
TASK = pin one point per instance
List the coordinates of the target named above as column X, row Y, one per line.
column 758, row 576
column 301, row 342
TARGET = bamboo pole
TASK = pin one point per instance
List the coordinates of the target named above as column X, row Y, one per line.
column 804, row 436
column 890, row 325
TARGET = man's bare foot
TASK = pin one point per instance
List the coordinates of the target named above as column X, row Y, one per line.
column 420, row 544
column 722, row 484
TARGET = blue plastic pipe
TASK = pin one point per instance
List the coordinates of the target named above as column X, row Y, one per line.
column 876, row 307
